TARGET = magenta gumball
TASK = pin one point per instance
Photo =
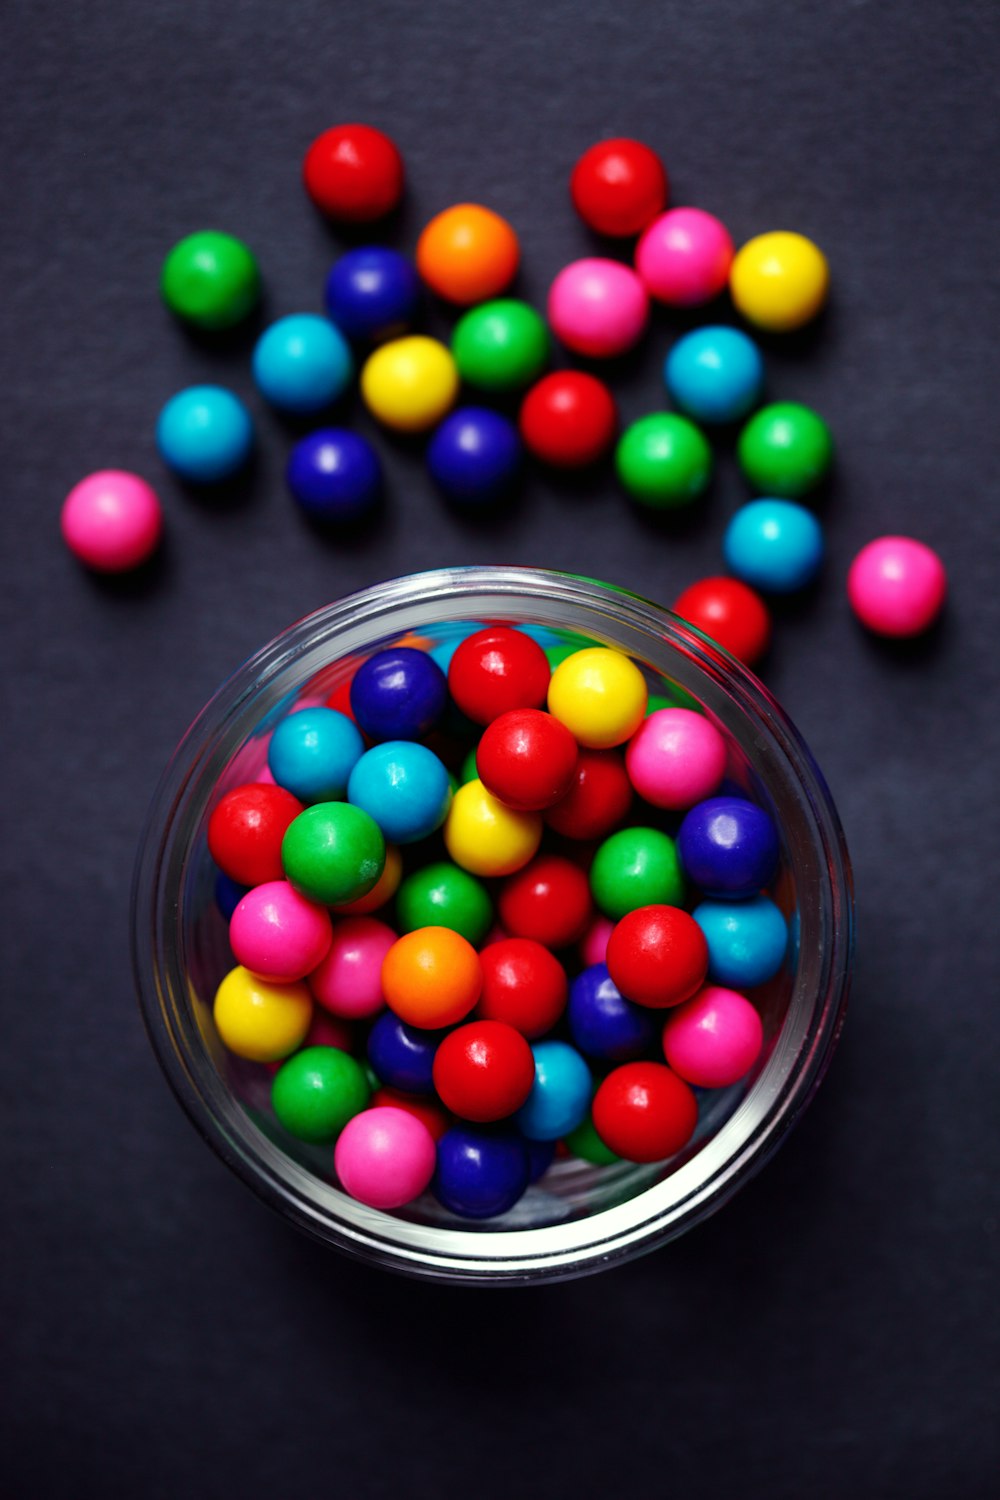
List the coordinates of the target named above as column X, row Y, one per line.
column 112, row 521
column 676, row 758
column 385, row 1157
column 597, row 307
column 278, row 934
column 348, row 983
column 594, row 943
column 684, row 257
column 897, row 586
column 714, row 1039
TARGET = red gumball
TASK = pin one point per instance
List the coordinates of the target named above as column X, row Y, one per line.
column 427, row 1111
column 526, row 758
column 353, row 173
column 644, row 1112
column 618, row 187
column 657, row 956
column 598, row 799
column 523, row 985
column 549, row 900
column 340, row 699
column 731, row 613
column 246, row 829
column 484, row 1071
column 495, row 670
column 568, row 419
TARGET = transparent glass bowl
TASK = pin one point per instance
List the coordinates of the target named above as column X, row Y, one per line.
column 580, row 1218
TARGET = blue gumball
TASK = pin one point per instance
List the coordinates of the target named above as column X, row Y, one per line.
column 728, row 846
column 313, row 752
column 605, row 1025
column 474, row 456
column 774, row 545
column 334, row 475
column 372, row 293
column 560, row 1094
column 715, row 374
column 403, row 1056
column 302, row 363
column 480, row 1174
column 398, row 694
column 541, row 1155
column 747, row 940
column 205, row 434
column 228, row 894
column 404, row 787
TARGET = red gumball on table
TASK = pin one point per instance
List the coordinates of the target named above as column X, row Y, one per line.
column 619, row 186
column 568, row 419
column 731, row 612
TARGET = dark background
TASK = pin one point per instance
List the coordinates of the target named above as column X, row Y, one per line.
column 832, row 1332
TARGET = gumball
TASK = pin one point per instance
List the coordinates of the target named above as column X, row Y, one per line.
column 663, row 461
column 474, row 457
column 785, row 450
column 598, row 308
column 409, row 383
column 746, row 940
column 398, row 694
column 246, row 829
column 277, row 934
column 112, row 521
column 372, row 293
column 204, row 434
column 334, row 475
column 260, row 1020
column 347, row 982
column 500, row 346
column 731, row 613
column 527, row 759
column 560, row 1094
column 480, row 1174
column 644, row 1112
column 598, row 799
column 312, row 753
column 713, row 1040
column 636, row 867
column 728, row 846
column 302, row 363
column 599, row 695
column 467, row 254
column 487, row 838
column 428, row 1111
column 327, row 1031
column 602, row 1023
column 594, row 943
column 444, row 895
column 541, row 1155
column 774, row 545
column 382, row 891
column 524, row 985
column 404, row 787
column 228, row 894
column 210, row 280
column 585, row 1143
column 657, row 956
column 403, row 1056
column 568, row 419
column 333, row 853
column 384, row 1157
column 715, row 374
column 431, row 977
column 684, row 257
column 495, row 670
column 896, row 586
column 779, row 281
column 353, row 173
column 317, row 1091
column 483, row 1071
column 675, row 758
column 549, row 900
column 618, row 187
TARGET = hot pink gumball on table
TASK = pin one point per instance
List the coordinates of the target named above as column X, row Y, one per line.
column 684, row 257
column 676, row 758
column 278, row 934
column 112, row 521
column 897, row 586
column 348, row 982
column 714, row 1039
column 594, row 943
column 598, row 307
column 385, row 1157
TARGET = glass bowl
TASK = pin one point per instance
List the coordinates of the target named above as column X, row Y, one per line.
column 580, row 1218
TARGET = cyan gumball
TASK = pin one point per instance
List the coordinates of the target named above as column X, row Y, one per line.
column 302, row 363
column 715, row 374
column 746, row 940
column 560, row 1095
column 204, row 434
column 313, row 752
column 774, row 545
column 404, row 787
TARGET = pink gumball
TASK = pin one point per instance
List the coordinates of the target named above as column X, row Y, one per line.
column 714, row 1039
column 897, row 586
column 598, row 307
column 675, row 758
column 684, row 257
column 348, row 982
column 278, row 934
column 594, row 943
column 384, row 1157
column 112, row 521
column 265, row 778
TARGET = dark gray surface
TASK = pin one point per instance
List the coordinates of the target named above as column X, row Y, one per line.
column 833, row 1331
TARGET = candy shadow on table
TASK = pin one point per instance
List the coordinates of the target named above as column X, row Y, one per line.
column 914, row 652
column 240, row 492
column 137, row 582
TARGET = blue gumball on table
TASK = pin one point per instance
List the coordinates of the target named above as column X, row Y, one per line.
column 334, row 475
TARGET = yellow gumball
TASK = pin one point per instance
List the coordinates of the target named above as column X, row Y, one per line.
column 779, row 281
column 260, row 1020
column 599, row 695
column 410, row 383
column 487, row 838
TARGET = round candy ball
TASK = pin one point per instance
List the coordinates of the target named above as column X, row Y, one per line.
column 495, row 670
column 779, row 281
column 483, row 1071
column 897, row 586
column 728, row 846
column 385, row 1157
column 277, row 934
column 618, row 187
column 487, row 838
column 549, row 900
column 500, row 346
column 747, row 940
column 598, row 308
column 302, row 363
column 785, row 450
column 347, row 982
column 353, row 173
column 585, row 1143
column 568, row 419
column 404, row 787
column 204, row 434
column 644, row 1112
column 427, row 1111
column 684, row 257
column 480, row 1174
column 228, row 894
column 312, row 753
column 317, row 1091
column 713, row 1040
column 527, row 759
column 444, row 895
column 431, row 977
column 402, row 1055
column 774, row 545
column 524, row 985
column 210, row 280
column 398, row 694
column 599, row 695
column 715, row 374
column 258, row 1019
column 333, row 853
column 731, row 613
column 636, row 867
column 602, row 1023
column 675, row 758
column 112, row 521
column 560, row 1094
column 382, row 891
column 245, row 832
column 409, row 383
column 657, row 956
column 334, row 475
column 467, row 254
column 663, row 461
column 474, row 457
column 594, row 943
column 599, row 797
column 372, row 293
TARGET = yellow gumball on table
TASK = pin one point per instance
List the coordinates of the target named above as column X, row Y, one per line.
column 487, row 838
column 410, row 383
column 599, row 695
column 259, row 1020
column 779, row 281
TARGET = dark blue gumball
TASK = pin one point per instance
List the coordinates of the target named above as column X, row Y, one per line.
column 728, row 846
column 475, row 456
column 541, row 1155
column 403, row 1056
column 398, row 694
column 480, row 1174
column 372, row 293
column 603, row 1023
column 334, row 475
column 228, row 894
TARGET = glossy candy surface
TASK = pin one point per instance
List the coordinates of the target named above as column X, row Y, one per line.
column 779, row 281
column 568, row 419
column 714, row 1039
column 277, row 934
column 500, row 346
column 657, row 956
column 483, row 1071
column 715, row 374
column 605, row 1025
column 333, row 853
column 302, row 363
column 644, row 1112
column 663, row 461
column 353, row 173
column 549, row 900
column 495, row 670
column 524, row 985
column 403, row 1055
column 785, row 450
column 382, row 891
column 431, row 977
column 560, row 1093
column 731, row 613
column 684, row 257
column 348, row 980
column 385, row 1157
column 334, row 475
column 398, row 694
column 112, row 521
column 372, row 293
column 410, row 383
column 204, row 434
column 618, row 187
column 474, row 456
column 747, row 940
column 312, row 753
column 404, row 787
column 210, row 280
column 487, row 838
column 480, row 1174
column 598, row 308
column 897, row 586
column 675, row 758
column 527, row 758
column 468, row 254
column 636, row 867
column 600, row 695
column 428, row 1111
column 317, row 1091
column 258, row 1019
column 245, row 831
column 599, row 797
column 444, row 895
column 728, row 846
column 774, row 545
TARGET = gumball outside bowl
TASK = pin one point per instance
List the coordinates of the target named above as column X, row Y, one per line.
column 578, row 1218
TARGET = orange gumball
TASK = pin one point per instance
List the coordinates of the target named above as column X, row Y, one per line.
column 431, row 977
column 468, row 254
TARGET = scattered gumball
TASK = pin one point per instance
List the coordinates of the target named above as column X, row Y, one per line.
column 372, row 293
column 715, row 374
column 728, row 846
column 568, row 419
column 599, row 797
column 312, row 753
column 713, row 1040
column 277, row 934
column 431, row 977
column 599, row 695
column 353, row 173
column 495, row 670
column 474, row 456
column 410, row 383
column 636, row 867
column 246, row 829
column 684, row 257
column 402, row 1055
column 527, row 759
column 500, row 346
column 468, row 254
column 779, row 281
column 398, row 694
column 598, row 308
column 347, row 981
column 205, row 434
column 483, row 1071
column 480, row 1174
column 897, row 586
column 618, row 187
column 644, row 1112
column 605, row 1025
column 258, row 1019
column 385, row 1157
column 302, row 363
column 663, row 461
column 731, row 613
column 785, row 450
column 657, row 956
column 334, row 475
column 112, row 521
column 675, row 758
column 210, row 280
column 524, row 985
column 560, row 1093
column 317, row 1091
column 774, row 545
column 549, row 900
column 444, row 895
